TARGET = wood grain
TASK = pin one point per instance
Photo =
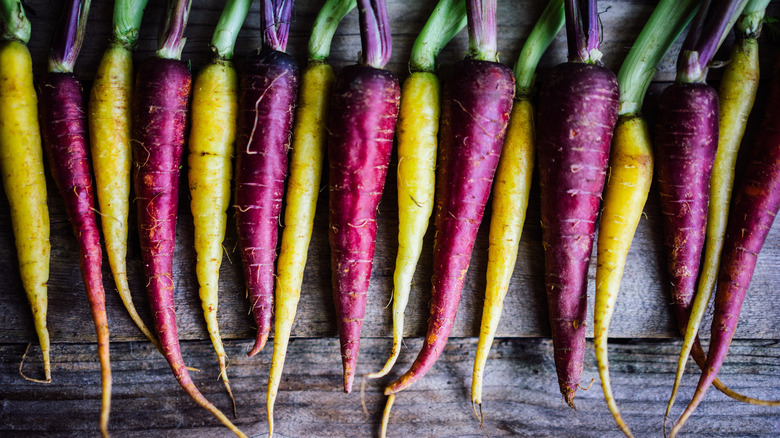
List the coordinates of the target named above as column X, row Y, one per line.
column 521, row 395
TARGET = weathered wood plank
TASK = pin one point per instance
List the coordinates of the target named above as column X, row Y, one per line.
column 521, row 394
column 642, row 309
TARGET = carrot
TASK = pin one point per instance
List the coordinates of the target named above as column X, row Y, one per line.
column 631, row 173
column 303, row 187
column 21, row 163
column 418, row 126
column 578, row 107
column 362, row 116
column 736, row 96
column 268, row 90
column 64, row 126
column 756, row 203
column 211, row 147
column 512, row 187
column 159, row 120
column 109, row 138
column 476, row 101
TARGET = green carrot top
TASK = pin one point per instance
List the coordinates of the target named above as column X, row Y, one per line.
column 543, row 33
column 233, row 15
column 171, row 36
column 374, row 32
column 14, row 24
column 127, row 21
column 69, row 36
column 661, row 31
column 328, row 19
column 710, row 27
column 481, row 16
column 749, row 23
column 446, row 20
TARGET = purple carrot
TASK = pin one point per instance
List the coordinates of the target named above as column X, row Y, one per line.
column 64, row 128
column 363, row 112
column 160, row 104
column 476, row 102
column 578, row 107
column 268, row 92
column 754, row 208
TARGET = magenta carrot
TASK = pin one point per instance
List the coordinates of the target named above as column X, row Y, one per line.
column 64, row 127
column 160, row 105
column 476, row 102
column 363, row 112
column 268, row 92
column 578, row 108
column 754, row 208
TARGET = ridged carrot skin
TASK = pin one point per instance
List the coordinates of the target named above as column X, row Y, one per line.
column 303, row 188
column 210, row 160
column 625, row 194
column 755, row 206
column 64, row 127
column 160, row 105
column 21, row 163
column 511, row 190
column 362, row 118
column 685, row 146
column 109, row 138
column 418, row 127
column 578, row 107
column 476, row 103
column 268, row 91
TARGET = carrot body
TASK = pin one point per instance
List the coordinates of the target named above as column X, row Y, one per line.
column 685, row 146
column 476, row 103
column 755, row 206
column 64, row 126
column 109, row 135
column 211, row 146
column 577, row 112
column 511, row 191
column 268, row 90
column 21, row 163
column 159, row 119
column 303, row 187
column 362, row 119
column 625, row 194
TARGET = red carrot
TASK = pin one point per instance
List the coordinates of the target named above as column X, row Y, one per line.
column 363, row 112
column 476, row 102
column 578, row 106
column 268, row 91
column 755, row 206
column 64, row 128
column 159, row 120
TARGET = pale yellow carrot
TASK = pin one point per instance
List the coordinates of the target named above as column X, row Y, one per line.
column 21, row 163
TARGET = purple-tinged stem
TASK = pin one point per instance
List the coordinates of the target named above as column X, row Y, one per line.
column 481, row 15
column 275, row 16
column 69, row 36
column 711, row 24
column 582, row 31
column 171, row 36
column 374, row 32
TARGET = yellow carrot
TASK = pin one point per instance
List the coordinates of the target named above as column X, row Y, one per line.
column 417, row 130
column 211, row 148
column 21, row 162
column 303, row 187
column 211, row 145
column 631, row 173
column 109, row 137
column 511, row 188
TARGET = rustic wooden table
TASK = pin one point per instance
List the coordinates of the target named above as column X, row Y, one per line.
column 521, row 395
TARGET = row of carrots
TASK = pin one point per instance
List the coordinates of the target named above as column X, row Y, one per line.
column 456, row 142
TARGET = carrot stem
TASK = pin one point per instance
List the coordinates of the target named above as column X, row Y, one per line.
column 374, row 32
column 127, row 21
column 325, row 25
column 70, row 35
column 542, row 35
column 275, row 17
column 233, row 15
column 15, row 24
column 171, row 41
column 482, row 30
column 446, row 20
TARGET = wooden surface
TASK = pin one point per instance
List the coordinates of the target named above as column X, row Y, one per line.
column 521, row 393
